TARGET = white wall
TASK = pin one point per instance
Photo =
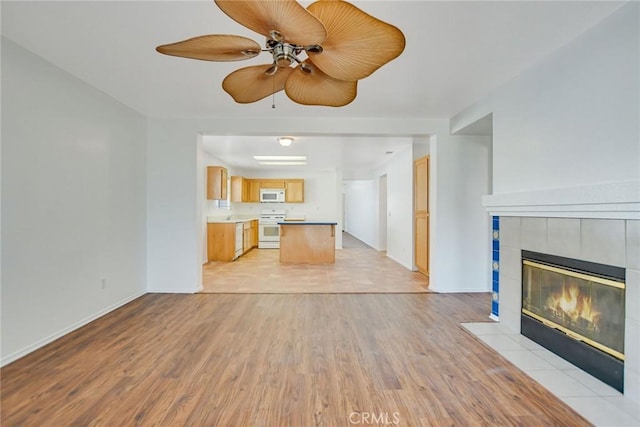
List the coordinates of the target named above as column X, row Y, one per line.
column 174, row 223
column 73, row 203
column 381, row 222
column 459, row 225
column 572, row 121
column 361, row 210
column 399, row 171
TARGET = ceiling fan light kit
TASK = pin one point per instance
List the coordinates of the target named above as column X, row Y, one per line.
column 318, row 54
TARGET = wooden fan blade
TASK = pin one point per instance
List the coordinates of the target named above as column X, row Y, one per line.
column 313, row 87
column 357, row 44
column 251, row 84
column 286, row 17
column 213, row 48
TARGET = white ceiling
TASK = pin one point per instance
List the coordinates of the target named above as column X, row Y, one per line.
column 456, row 52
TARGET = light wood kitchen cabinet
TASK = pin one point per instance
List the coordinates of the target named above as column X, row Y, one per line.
column 216, row 183
column 294, row 191
column 253, row 190
column 254, row 233
column 245, row 189
column 238, row 189
column 271, row 183
column 248, row 189
column 250, row 236
column 221, row 241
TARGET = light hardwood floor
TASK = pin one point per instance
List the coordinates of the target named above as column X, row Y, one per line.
column 278, row 360
column 358, row 269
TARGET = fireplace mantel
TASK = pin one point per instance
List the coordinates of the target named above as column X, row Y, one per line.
column 618, row 200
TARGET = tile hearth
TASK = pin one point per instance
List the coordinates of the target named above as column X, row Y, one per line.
column 591, row 398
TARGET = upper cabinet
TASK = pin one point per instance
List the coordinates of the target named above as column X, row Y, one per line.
column 294, row 191
column 216, row 183
column 272, row 183
column 238, row 189
column 253, row 190
column 245, row 189
column 248, row 189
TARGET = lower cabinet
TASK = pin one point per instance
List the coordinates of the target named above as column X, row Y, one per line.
column 221, row 239
column 250, row 236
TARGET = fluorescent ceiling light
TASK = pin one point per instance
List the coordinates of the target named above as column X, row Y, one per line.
column 281, row 158
column 276, row 163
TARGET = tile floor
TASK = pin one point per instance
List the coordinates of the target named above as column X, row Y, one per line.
column 596, row 401
column 358, row 269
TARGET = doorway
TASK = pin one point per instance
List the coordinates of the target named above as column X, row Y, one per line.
column 421, row 214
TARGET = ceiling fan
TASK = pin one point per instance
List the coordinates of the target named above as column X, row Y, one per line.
column 319, row 53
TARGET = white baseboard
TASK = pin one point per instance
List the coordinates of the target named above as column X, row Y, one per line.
column 174, row 291
column 398, row 261
column 41, row 343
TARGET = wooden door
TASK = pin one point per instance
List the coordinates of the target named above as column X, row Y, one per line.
column 421, row 214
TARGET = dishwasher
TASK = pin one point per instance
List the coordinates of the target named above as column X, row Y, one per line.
column 239, row 239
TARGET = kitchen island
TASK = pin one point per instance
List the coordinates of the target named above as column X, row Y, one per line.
column 307, row 242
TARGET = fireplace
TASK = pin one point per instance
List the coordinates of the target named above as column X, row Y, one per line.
column 576, row 309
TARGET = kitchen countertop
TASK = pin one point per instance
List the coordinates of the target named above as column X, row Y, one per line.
column 226, row 220
column 308, row 222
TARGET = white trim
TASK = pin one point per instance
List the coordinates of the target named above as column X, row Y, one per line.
column 399, row 262
column 620, row 200
column 175, row 290
column 41, row 343
column 494, row 317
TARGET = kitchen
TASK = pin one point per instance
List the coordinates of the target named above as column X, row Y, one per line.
column 244, row 212
column 232, row 236
column 254, row 237
column 334, row 168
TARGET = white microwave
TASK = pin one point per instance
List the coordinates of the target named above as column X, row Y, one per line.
column 271, row 195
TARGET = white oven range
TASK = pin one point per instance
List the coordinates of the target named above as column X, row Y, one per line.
column 268, row 228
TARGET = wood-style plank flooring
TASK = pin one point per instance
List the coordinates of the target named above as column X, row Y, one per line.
column 278, row 360
column 358, row 269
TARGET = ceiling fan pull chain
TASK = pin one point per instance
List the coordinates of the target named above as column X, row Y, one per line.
column 273, row 94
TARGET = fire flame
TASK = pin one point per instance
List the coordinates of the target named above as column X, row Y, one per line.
column 571, row 303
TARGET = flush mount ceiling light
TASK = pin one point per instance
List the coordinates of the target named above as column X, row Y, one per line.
column 285, row 141
column 319, row 53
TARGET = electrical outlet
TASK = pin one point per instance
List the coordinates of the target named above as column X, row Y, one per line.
column 103, row 283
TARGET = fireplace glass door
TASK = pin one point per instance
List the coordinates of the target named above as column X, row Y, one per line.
column 586, row 307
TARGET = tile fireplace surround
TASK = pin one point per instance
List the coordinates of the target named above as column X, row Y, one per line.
column 606, row 241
